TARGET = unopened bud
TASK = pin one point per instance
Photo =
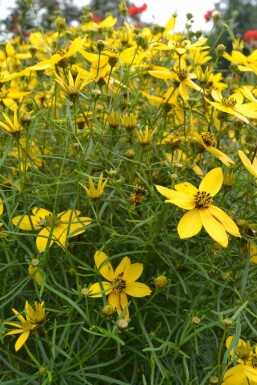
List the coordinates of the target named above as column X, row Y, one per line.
column 160, row 282
column 122, row 324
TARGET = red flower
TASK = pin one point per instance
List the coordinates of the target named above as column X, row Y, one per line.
column 96, row 18
column 134, row 10
column 250, row 35
column 208, row 15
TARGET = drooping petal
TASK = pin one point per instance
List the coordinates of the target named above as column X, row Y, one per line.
column 137, row 289
column 185, row 201
column 114, row 300
column 122, row 267
column 104, row 265
column 190, row 224
column 133, row 272
column 96, row 290
column 212, row 181
column 251, row 167
column 186, row 188
column 123, row 305
column 228, row 224
column 42, row 240
column 21, row 340
column 213, row 227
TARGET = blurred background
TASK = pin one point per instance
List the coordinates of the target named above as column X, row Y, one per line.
column 240, row 15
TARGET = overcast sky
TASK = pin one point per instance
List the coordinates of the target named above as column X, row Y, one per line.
column 159, row 11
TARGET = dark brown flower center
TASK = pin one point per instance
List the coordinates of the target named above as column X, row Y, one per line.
column 202, row 200
column 119, row 285
column 182, row 74
column 208, row 139
column 228, row 102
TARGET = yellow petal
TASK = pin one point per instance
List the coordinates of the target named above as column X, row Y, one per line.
column 123, row 306
column 114, row 300
column 186, row 188
column 122, row 267
column 137, row 289
column 1, row 207
column 26, row 222
column 228, row 224
column 185, row 201
column 21, row 340
column 213, row 227
column 190, row 224
column 133, row 272
column 247, row 163
column 250, row 373
column 104, row 265
column 235, row 376
column 212, row 181
column 98, row 290
column 41, row 213
column 43, row 239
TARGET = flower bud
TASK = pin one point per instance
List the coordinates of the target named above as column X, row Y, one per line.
column 160, row 282
column 60, row 24
column 122, row 324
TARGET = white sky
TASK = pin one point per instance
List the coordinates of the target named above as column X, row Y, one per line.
column 159, row 11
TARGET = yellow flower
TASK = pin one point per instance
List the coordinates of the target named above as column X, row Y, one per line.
column 53, row 228
column 92, row 191
column 208, row 141
column 11, row 126
column 245, row 373
column 146, row 137
column 28, row 323
column 201, row 211
column 73, row 87
column 121, row 282
column 234, row 105
column 251, row 166
column 38, row 315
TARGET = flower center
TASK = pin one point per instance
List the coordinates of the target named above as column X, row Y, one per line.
column 208, row 139
column 49, row 220
column 228, row 102
column 119, row 285
column 202, row 200
column 182, row 74
column 27, row 326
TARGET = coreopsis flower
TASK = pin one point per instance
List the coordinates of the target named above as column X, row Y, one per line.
column 1, row 207
column 250, row 165
column 73, row 87
column 145, row 137
column 233, row 105
column 181, row 78
column 32, row 320
column 202, row 213
column 120, row 282
column 95, row 192
column 53, row 228
column 245, row 372
column 13, row 126
column 208, row 141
